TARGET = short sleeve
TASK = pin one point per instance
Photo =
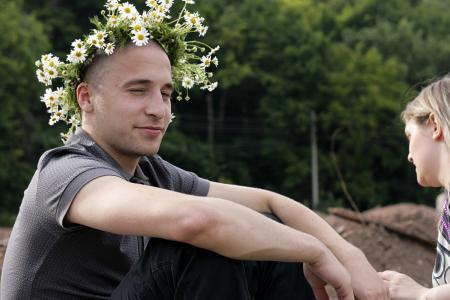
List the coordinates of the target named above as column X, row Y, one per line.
column 60, row 179
column 184, row 181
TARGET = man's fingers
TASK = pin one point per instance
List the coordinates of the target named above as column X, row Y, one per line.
column 345, row 293
column 320, row 294
column 388, row 275
column 383, row 295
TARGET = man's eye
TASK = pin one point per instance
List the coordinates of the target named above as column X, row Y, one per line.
column 166, row 94
column 136, row 90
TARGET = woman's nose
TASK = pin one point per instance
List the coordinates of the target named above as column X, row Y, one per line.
column 410, row 159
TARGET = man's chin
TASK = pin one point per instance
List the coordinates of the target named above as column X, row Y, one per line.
column 150, row 151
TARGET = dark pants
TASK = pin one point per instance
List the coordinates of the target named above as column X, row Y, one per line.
column 175, row 271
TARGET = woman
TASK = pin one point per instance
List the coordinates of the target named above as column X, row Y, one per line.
column 427, row 127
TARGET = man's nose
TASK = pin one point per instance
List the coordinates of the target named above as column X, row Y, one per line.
column 155, row 106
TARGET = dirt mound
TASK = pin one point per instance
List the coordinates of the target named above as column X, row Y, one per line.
column 416, row 221
column 4, row 236
column 399, row 237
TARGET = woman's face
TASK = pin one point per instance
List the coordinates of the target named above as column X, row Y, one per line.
column 424, row 152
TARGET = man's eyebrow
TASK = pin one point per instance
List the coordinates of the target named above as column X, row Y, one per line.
column 131, row 82
column 169, row 86
column 136, row 81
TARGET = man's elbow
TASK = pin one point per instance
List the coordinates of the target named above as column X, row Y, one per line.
column 195, row 224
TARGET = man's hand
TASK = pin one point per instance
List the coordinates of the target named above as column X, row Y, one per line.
column 328, row 270
column 403, row 287
column 366, row 283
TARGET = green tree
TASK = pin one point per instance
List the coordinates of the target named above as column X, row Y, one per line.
column 352, row 62
column 22, row 42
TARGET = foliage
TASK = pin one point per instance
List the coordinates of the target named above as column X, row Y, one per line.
column 354, row 63
column 22, row 40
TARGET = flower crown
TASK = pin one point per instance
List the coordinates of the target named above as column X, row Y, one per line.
column 123, row 23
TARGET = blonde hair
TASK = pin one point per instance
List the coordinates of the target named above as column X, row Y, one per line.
column 433, row 99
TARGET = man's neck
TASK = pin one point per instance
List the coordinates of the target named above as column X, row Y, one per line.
column 127, row 162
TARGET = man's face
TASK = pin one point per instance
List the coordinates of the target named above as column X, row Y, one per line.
column 131, row 101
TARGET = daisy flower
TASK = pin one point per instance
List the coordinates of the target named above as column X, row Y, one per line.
column 145, row 17
column 210, row 87
column 152, row 3
column 202, row 30
column 187, row 82
column 109, row 48
column 215, row 61
column 93, row 41
column 77, row 44
column 100, row 34
column 51, row 62
column 128, row 11
column 140, row 38
column 137, row 25
column 206, row 62
column 112, row 5
column 51, row 73
column 192, row 19
column 77, row 55
column 113, row 21
column 43, row 78
column 49, row 98
column 167, row 3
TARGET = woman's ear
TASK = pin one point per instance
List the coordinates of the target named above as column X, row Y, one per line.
column 437, row 129
column 84, row 97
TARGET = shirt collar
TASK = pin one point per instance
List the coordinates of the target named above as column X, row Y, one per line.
column 83, row 138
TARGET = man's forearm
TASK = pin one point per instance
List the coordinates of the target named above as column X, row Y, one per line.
column 238, row 232
column 114, row 205
column 291, row 213
column 300, row 217
column 365, row 281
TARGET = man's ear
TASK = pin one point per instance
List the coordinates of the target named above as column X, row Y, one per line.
column 437, row 129
column 84, row 97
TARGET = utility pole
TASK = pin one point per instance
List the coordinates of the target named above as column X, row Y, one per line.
column 314, row 163
column 210, row 116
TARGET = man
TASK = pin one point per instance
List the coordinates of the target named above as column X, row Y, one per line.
column 79, row 228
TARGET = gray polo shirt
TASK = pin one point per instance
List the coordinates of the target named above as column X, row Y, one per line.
column 46, row 259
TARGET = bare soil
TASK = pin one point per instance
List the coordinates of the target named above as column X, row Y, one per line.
column 399, row 237
column 4, row 235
